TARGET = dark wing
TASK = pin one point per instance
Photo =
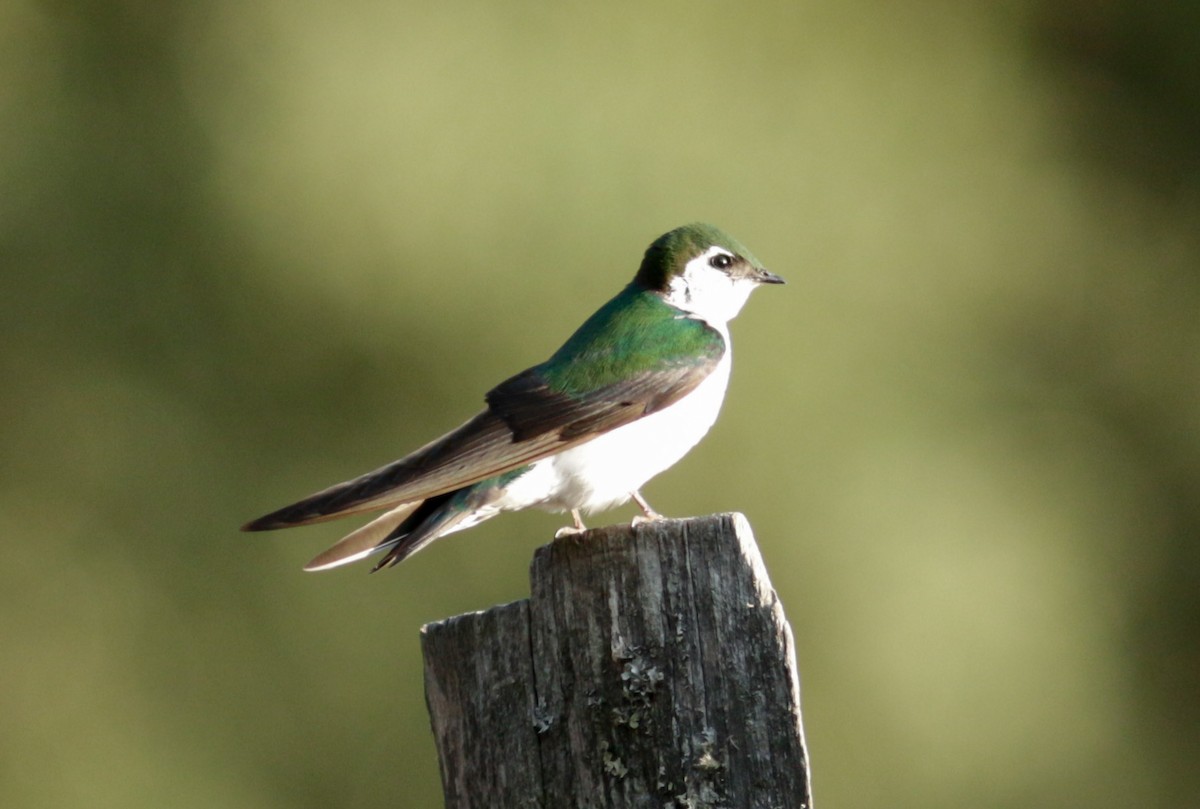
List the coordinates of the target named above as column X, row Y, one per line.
column 526, row 421
column 531, row 408
column 479, row 449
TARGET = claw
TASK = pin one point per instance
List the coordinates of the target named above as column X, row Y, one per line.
column 572, row 530
column 651, row 514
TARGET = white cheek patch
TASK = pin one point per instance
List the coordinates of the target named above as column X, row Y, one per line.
column 707, row 292
column 679, row 291
column 699, row 280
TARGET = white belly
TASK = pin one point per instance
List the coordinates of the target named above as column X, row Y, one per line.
column 603, row 472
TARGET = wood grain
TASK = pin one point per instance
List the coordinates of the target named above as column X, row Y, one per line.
column 652, row 666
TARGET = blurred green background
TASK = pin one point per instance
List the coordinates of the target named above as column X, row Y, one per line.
column 252, row 249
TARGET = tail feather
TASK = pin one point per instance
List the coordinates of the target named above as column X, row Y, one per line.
column 370, row 538
column 408, row 528
column 437, row 517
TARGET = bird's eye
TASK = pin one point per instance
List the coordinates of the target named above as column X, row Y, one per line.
column 721, row 261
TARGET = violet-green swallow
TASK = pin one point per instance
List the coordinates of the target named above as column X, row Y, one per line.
column 627, row 395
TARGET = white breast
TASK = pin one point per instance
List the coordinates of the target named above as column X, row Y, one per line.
column 603, row 472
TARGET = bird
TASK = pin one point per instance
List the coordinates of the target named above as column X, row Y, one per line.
column 625, row 398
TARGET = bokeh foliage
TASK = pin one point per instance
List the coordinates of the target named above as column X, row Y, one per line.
column 249, row 250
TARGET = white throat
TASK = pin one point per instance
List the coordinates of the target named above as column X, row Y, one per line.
column 707, row 292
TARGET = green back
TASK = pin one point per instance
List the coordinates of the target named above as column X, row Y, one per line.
column 635, row 332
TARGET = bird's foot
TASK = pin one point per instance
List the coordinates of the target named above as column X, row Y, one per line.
column 572, row 530
column 650, row 514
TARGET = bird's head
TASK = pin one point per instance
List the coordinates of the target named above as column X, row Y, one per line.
column 703, row 271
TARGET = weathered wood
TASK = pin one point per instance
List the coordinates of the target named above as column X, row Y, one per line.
column 654, row 669
column 478, row 676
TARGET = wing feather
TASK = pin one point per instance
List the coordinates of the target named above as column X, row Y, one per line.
column 528, row 418
column 479, row 449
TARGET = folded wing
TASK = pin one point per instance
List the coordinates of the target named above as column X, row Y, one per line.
column 526, row 420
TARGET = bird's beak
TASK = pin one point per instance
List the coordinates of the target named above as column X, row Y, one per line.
column 766, row 277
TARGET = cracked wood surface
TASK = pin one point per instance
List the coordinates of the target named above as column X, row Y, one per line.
column 651, row 667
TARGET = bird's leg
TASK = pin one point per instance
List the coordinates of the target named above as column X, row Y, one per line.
column 651, row 514
column 567, row 530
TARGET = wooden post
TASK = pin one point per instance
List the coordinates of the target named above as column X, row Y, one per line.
column 651, row 667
